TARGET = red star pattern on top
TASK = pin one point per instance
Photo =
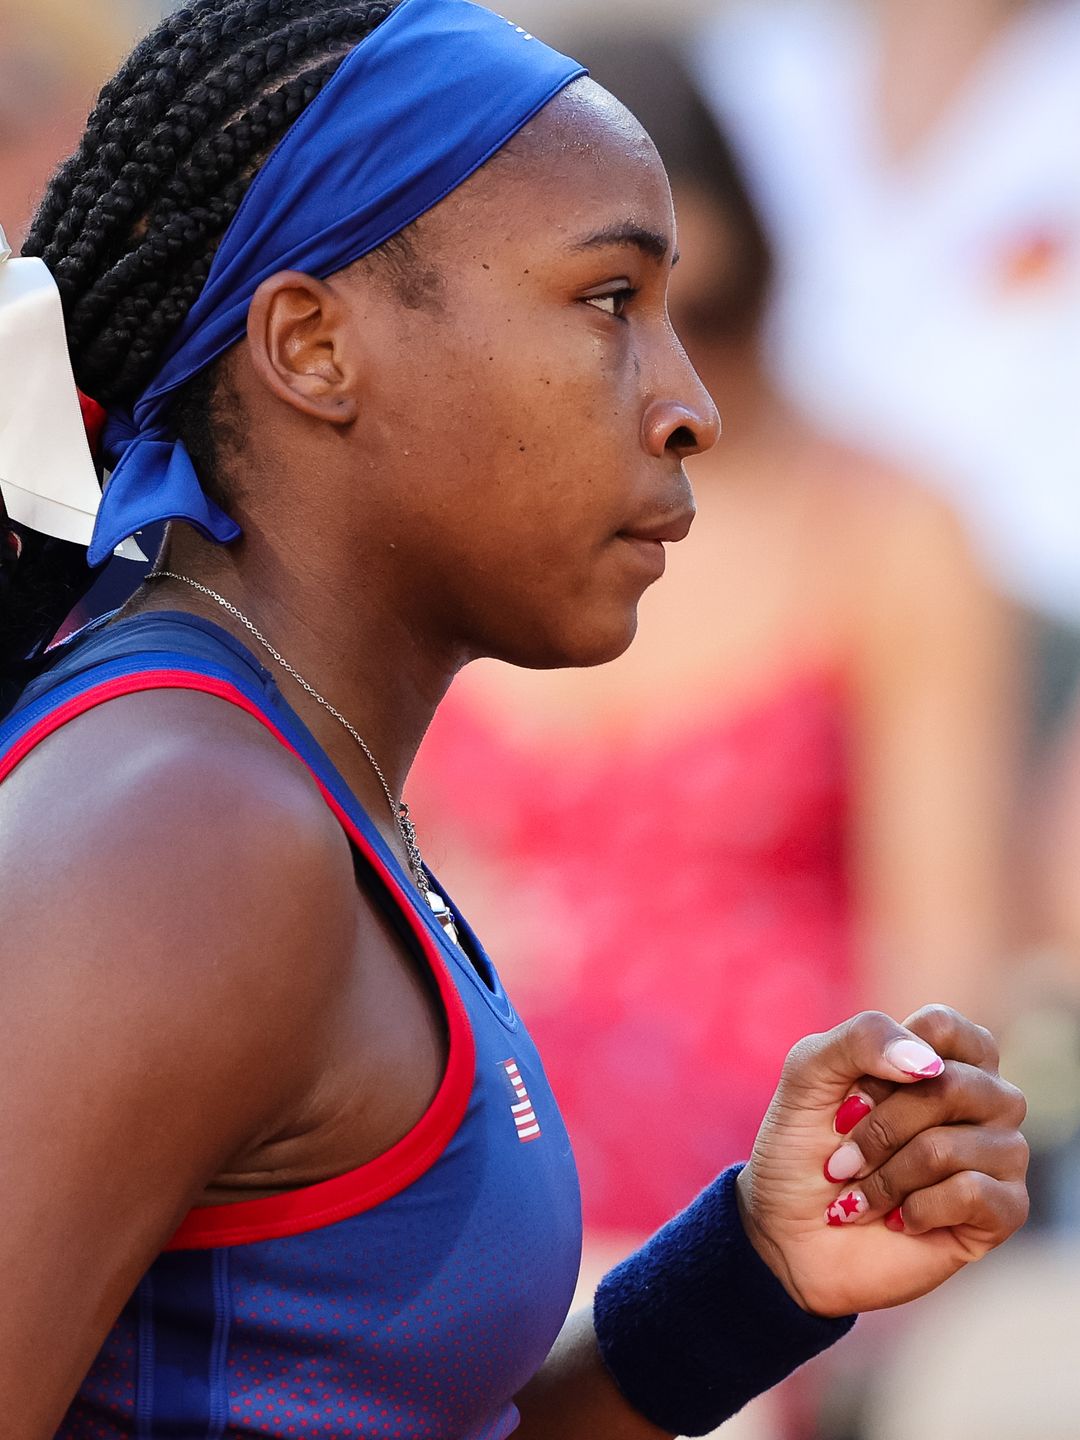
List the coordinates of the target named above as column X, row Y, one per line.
column 847, row 1208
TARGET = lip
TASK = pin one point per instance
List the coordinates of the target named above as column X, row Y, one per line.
column 651, row 553
column 669, row 529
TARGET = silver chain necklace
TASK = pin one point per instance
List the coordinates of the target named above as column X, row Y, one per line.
column 398, row 808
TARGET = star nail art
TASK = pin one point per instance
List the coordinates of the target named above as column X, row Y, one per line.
column 847, row 1208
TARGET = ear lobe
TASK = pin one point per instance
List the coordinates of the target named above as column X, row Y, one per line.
column 297, row 344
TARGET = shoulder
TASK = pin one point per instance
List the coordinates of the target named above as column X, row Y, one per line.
column 165, row 854
column 867, row 499
column 168, row 772
column 892, row 541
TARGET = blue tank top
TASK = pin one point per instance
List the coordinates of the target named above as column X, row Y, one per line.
column 413, row 1297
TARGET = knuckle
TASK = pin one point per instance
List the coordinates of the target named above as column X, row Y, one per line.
column 938, row 1014
column 941, row 1024
column 801, row 1056
column 870, row 1021
column 1008, row 1210
column 1021, row 1207
column 951, row 1087
column 873, row 1018
column 1016, row 1105
column 935, row 1154
column 990, row 1045
column 877, row 1136
column 869, row 1030
column 935, row 1022
column 883, row 1191
column 1019, row 1154
column 975, row 1192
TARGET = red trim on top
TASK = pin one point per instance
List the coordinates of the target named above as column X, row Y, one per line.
column 314, row 1206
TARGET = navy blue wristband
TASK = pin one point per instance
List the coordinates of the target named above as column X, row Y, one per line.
column 695, row 1324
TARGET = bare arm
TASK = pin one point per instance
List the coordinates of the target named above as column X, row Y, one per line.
column 731, row 1296
column 934, row 758
column 161, row 995
column 574, row 1398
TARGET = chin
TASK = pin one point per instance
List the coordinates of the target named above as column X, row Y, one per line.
column 583, row 648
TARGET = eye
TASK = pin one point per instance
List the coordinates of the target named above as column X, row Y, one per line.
column 612, row 302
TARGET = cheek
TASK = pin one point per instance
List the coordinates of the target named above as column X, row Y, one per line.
column 552, row 407
column 519, row 441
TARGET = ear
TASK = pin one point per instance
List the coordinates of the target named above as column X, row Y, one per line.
column 296, row 334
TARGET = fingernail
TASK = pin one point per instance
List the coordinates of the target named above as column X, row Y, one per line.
column 895, row 1220
column 855, row 1108
column 849, row 1207
column 844, row 1164
column 914, row 1059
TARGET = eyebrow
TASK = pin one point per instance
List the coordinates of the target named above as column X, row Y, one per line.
column 650, row 242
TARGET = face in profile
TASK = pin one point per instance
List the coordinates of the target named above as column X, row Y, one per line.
column 524, row 421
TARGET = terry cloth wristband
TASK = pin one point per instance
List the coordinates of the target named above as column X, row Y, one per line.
column 694, row 1324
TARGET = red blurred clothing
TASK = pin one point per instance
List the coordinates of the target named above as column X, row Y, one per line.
column 678, row 914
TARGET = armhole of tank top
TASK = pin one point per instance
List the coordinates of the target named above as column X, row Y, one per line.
column 315, row 1206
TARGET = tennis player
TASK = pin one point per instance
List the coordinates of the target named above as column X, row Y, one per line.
column 370, row 302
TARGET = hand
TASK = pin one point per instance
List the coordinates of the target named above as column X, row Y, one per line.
column 928, row 1177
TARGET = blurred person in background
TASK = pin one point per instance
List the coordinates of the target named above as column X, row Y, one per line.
column 917, row 163
column 791, row 797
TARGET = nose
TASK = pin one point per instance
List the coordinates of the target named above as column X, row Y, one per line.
column 682, row 426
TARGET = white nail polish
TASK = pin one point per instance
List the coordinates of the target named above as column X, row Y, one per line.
column 913, row 1058
column 844, row 1164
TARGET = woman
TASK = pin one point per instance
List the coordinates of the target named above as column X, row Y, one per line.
column 286, row 1161
column 917, row 162
column 792, row 805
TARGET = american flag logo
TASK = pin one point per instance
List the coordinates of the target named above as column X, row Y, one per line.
column 528, row 1127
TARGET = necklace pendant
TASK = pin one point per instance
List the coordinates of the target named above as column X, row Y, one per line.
column 443, row 914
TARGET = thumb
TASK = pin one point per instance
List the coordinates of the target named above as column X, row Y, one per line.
column 821, row 1069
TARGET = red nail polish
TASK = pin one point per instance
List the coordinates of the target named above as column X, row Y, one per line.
column 854, row 1109
column 895, row 1220
column 847, row 1209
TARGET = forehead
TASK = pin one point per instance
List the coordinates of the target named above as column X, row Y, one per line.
column 581, row 164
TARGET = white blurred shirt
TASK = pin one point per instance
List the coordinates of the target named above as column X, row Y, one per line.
column 928, row 309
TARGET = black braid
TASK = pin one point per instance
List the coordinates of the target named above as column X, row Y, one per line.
column 130, row 224
column 140, row 217
column 220, row 93
column 118, row 338
column 168, row 58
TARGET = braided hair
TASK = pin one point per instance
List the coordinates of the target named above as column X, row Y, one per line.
column 130, row 223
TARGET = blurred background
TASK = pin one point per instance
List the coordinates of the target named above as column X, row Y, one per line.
column 841, row 766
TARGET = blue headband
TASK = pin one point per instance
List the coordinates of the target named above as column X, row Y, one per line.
column 415, row 109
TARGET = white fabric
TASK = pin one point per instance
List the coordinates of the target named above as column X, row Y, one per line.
column 47, row 475
column 896, row 323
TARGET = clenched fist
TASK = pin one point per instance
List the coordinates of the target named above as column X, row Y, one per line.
column 890, row 1158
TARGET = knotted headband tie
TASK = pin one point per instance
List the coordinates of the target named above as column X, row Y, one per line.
column 414, row 110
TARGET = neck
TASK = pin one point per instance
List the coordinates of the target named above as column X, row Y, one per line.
column 359, row 651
